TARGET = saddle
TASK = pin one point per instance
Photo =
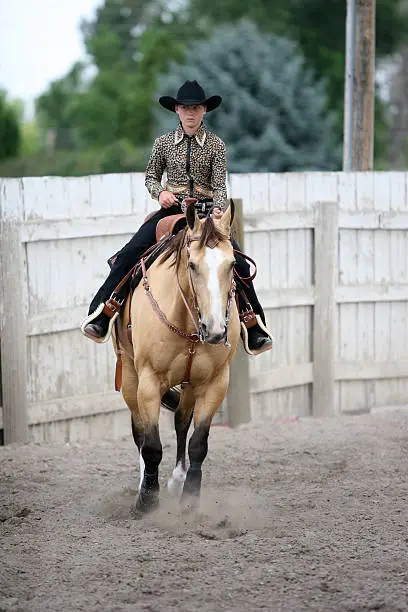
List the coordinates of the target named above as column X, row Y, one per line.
column 170, row 226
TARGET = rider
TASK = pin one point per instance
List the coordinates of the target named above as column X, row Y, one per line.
column 195, row 162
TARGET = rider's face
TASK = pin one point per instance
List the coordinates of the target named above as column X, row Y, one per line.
column 190, row 116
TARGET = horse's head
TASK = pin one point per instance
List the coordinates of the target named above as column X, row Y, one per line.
column 210, row 263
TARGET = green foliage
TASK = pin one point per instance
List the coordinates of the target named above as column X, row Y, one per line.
column 10, row 134
column 107, row 106
column 129, row 46
column 273, row 117
column 317, row 26
column 321, row 34
column 55, row 107
column 30, row 138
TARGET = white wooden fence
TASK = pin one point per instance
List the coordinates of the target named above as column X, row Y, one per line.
column 332, row 254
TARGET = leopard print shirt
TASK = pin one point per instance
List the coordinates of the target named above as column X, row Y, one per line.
column 208, row 165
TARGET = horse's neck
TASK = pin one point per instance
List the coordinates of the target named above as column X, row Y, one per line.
column 164, row 284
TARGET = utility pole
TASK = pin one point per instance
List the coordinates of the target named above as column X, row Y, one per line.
column 359, row 86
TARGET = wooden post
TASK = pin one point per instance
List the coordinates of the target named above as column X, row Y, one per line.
column 326, row 249
column 364, row 86
column 238, row 397
column 348, row 130
column 13, row 336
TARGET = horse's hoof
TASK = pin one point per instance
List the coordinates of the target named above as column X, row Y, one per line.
column 147, row 501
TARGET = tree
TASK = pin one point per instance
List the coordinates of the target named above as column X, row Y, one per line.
column 55, row 106
column 129, row 43
column 273, row 116
column 10, row 134
column 318, row 27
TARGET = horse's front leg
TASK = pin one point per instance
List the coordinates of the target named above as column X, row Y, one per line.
column 207, row 403
column 182, row 421
column 146, row 430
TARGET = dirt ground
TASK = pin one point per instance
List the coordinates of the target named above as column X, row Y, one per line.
column 304, row 515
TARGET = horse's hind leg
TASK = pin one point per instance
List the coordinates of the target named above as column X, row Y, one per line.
column 182, row 421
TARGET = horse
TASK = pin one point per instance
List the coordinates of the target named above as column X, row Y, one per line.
column 180, row 327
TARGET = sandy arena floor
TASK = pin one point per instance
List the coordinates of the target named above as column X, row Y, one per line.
column 306, row 515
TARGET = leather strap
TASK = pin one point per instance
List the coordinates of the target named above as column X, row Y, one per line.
column 246, row 278
column 248, row 317
column 118, row 369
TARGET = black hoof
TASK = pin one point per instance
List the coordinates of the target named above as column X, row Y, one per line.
column 147, row 501
column 190, row 498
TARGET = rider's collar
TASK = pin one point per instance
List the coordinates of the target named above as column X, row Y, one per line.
column 200, row 135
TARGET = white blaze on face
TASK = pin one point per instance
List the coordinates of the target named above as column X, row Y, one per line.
column 214, row 258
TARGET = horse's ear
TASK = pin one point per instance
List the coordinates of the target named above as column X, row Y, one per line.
column 191, row 216
column 228, row 217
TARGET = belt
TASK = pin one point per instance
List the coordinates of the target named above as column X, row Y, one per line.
column 184, row 189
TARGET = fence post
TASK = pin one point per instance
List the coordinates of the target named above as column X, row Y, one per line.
column 13, row 335
column 238, row 397
column 326, row 252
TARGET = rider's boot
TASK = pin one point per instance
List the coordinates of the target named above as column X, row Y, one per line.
column 255, row 335
column 98, row 325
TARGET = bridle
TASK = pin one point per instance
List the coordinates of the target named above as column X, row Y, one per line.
column 198, row 335
column 230, row 300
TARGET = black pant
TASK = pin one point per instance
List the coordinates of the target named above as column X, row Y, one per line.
column 144, row 238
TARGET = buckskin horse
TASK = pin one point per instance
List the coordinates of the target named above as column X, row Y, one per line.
column 179, row 327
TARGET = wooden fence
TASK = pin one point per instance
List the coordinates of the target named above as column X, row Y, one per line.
column 332, row 256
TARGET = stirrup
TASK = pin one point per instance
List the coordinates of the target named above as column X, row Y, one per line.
column 92, row 317
column 244, row 336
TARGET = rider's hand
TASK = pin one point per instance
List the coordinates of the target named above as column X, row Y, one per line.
column 167, row 199
column 217, row 213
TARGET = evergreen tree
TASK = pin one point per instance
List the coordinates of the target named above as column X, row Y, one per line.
column 10, row 135
column 273, row 117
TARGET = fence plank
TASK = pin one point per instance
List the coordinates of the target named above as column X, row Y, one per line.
column 13, row 342
column 326, row 248
column 282, row 378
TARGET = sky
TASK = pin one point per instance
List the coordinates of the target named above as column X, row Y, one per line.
column 39, row 41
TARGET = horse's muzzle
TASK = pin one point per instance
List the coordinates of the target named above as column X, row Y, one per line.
column 217, row 337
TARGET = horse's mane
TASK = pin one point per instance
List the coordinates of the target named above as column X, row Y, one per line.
column 209, row 235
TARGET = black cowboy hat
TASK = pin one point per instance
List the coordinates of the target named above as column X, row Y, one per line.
column 190, row 94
